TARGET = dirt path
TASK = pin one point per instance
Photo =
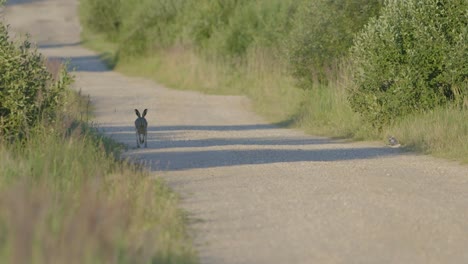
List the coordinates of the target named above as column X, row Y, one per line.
column 260, row 194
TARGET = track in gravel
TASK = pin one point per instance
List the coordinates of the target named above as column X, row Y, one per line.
column 257, row 193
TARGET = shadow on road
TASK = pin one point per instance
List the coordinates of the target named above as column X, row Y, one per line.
column 166, row 152
column 59, row 45
column 84, row 63
column 215, row 128
column 185, row 160
column 20, row 2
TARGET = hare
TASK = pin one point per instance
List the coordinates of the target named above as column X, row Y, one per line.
column 141, row 127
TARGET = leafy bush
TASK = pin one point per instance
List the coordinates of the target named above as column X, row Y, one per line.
column 102, row 16
column 323, row 33
column 209, row 18
column 231, row 28
column 28, row 92
column 149, row 25
column 413, row 58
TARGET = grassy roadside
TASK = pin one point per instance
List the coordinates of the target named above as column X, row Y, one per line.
column 66, row 198
column 441, row 132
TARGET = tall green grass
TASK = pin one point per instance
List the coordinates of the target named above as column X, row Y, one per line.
column 442, row 132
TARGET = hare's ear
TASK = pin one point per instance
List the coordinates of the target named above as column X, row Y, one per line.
column 144, row 112
column 137, row 113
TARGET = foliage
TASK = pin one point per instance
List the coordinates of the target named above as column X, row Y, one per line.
column 28, row 92
column 148, row 25
column 224, row 28
column 413, row 58
column 103, row 16
column 231, row 28
column 322, row 35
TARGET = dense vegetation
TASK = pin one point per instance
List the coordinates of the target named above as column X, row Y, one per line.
column 312, row 33
column 412, row 59
column 64, row 197
column 28, row 93
column 322, row 35
column 367, row 68
column 221, row 27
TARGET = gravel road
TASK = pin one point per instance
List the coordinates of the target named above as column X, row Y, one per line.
column 256, row 193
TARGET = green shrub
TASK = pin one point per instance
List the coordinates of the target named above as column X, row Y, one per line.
column 231, row 28
column 28, row 92
column 149, row 25
column 209, row 18
column 323, row 33
column 413, row 58
column 102, row 16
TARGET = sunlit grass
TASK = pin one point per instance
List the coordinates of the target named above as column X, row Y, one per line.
column 442, row 132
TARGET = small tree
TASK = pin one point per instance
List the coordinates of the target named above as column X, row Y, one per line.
column 411, row 59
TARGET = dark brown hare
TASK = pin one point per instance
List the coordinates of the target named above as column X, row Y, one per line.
column 141, row 128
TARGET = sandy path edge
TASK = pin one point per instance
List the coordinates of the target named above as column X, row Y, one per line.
column 261, row 194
